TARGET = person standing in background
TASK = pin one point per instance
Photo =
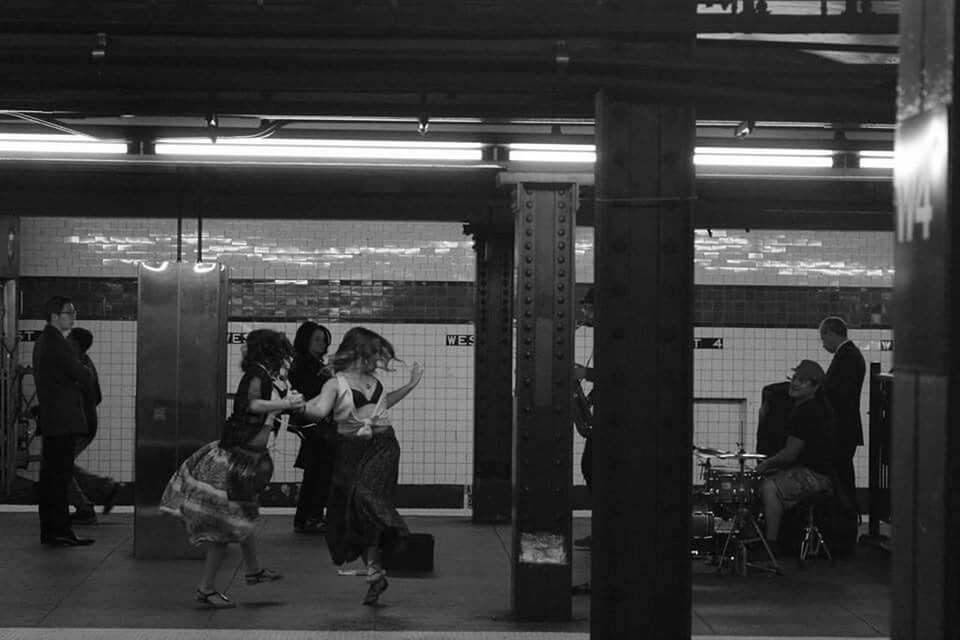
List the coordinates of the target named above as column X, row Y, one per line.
column 85, row 484
column 318, row 440
column 842, row 386
column 61, row 419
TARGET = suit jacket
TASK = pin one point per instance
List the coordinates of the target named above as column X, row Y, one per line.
column 842, row 386
column 59, row 375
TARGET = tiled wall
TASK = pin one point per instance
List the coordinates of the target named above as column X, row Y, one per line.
column 762, row 292
column 281, row 249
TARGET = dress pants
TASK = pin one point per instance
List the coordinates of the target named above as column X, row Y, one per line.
column 56, row 473
column 319, row 457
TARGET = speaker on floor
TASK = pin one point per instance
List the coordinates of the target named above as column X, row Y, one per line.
column 415, row 555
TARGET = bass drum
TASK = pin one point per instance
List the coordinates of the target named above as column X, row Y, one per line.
column 702, row 526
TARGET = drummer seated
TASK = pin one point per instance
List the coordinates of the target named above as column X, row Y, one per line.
column 801, row 469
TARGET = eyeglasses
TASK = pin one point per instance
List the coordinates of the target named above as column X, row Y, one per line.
column 69, row 312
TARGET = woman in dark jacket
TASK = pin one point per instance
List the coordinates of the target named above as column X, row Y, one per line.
column 318, row 442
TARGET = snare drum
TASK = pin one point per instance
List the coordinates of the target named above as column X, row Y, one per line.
column 730, row 487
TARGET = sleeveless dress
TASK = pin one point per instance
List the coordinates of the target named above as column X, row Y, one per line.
column 360, row 510
column 216, row 490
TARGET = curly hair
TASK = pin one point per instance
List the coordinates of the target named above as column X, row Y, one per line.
column 364, row 345
column 268, row 348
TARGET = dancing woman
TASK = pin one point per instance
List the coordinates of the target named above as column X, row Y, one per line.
column 215, row 492
column 361, row 518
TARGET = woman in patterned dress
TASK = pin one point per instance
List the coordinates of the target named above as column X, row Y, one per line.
column 215, row 492
column 361, row 518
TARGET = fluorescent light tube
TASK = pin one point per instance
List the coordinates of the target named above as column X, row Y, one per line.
column 52, row 143
column 573, row 153
column 329, row 149
column 876, row 159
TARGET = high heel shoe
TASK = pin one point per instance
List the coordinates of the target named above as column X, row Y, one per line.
column 374, row 573
column 215, row 600
column 376, row 588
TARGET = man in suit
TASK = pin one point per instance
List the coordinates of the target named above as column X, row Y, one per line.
column 60, row 377
column 842, row 386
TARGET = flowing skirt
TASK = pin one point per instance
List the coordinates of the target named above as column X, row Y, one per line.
column 360, row 510
column 215, row 492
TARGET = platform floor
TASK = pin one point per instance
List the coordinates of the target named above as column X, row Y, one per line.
column 101, row 591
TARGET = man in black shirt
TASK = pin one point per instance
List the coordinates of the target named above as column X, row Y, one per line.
column 802, row 468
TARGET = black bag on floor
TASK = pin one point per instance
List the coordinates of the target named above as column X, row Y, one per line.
column 414, row 555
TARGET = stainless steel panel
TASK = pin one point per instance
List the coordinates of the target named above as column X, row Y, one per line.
column 8, row 364
column 181, row 357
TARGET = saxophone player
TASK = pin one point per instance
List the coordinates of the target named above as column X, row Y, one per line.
column 584, row 409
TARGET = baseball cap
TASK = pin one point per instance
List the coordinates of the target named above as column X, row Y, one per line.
column 810, row 370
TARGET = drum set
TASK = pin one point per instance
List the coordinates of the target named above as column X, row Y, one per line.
column 732, row 494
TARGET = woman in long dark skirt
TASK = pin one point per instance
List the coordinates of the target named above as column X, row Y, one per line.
column 318, row 440
column 362, row 520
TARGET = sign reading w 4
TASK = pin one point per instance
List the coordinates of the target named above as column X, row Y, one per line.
column 921, row 164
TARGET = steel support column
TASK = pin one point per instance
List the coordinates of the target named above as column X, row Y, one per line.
column 644, row 361
column 925, row 474
column 543, row 439
column 493, row 376
column 181, row 389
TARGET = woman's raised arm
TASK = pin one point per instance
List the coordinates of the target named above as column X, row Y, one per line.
column 395, row 396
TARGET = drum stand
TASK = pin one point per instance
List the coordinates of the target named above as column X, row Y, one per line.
column 745, row 531
column 738, row 542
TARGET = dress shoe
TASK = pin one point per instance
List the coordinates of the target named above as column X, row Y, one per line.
column 111, row 498
column 310, row 527
column 66, row 540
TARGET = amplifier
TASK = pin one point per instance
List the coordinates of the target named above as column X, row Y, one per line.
column 415, row 555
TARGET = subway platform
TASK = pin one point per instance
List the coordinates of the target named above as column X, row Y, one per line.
column 101, row 591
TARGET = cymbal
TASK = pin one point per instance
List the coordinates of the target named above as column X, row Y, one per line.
column 709, row 451
column 742, row 456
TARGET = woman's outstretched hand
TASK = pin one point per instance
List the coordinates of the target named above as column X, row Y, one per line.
column 416, row 373
column 295, row 401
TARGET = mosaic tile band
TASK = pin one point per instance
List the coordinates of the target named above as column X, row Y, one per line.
column 398, row 301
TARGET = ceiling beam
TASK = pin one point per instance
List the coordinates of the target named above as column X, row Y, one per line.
column 503, row 19
column 406, row 194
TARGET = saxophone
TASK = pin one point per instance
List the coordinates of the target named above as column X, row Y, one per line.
column 583, row 406
column 582, row 411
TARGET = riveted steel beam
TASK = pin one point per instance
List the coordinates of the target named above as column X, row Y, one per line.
column 643, row 370
column 543, row 439
column 492, row 494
